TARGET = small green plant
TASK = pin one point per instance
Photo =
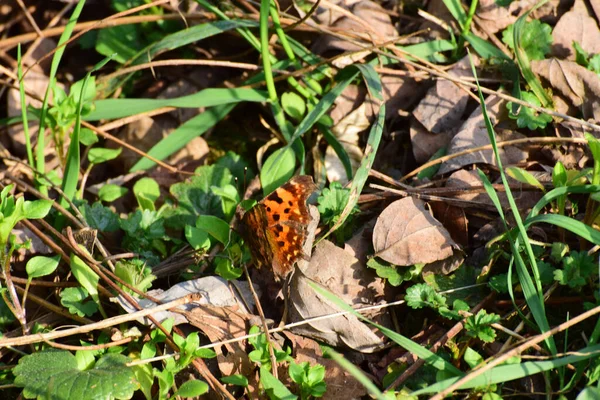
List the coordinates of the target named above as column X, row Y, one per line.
column 309, row 379
column 332, row 202
column 527, row 117
column 591, row 62
column 392, row 274
column 536, row 39
column 478, row 326
column 578, row 268
column 261, row 355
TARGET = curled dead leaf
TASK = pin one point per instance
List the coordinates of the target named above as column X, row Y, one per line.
column 407, row 234
column 339, row 272
column 578, row 84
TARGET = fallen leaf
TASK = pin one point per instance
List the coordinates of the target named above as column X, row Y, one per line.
column 340, row 331
column 221, row 324
column 443, row 106
column 406, row 234
column 215, row 291
column 575, row 26
column 473, row 133
column 347, row 132
column 580, row 85
column 370, row 23
column 424, row 143
column 454, row 219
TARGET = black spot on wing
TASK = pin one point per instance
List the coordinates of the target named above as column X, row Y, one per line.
column 275, row 197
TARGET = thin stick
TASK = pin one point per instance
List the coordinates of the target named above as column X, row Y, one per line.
column 119, row 319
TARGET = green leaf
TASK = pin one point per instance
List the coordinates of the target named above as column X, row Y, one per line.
column 536, row 38
column 422, row 295
column 293, row 105
column 41, row 266
column 122, row 40
column 99, row 217
column 527, row 117
column 195, row 196
column 110, row 192
column 277, row 169
column 53, row 374
column 192, row 388
column 332, row 201
column 524, row 176
column 215, row 227
column 225, row 269
column 146, row 191
column 73, row 298
column 135, row 273
column 478, row 326
column 87, row 137
column 197, row 238
column 238, row 380
column 36, row 209
column 393, row 274
column 472, row 358
column 98, row 155
column 273, row 387
column 85, row 276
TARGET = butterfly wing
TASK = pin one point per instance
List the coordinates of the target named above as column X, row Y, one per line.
column 283, row 217
column 288, row 217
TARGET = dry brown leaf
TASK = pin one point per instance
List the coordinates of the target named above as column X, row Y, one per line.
column 443, row 106
column 424, row 143
column 454, row 219
column 473, row 133
column 400, row 94
column 494, row 17
column 407, row 234
column 339, row 272
column 220, row 324
column 347, row 132
column 575, row 26
column 580, row 85
column 340, row 383
column 375, row 26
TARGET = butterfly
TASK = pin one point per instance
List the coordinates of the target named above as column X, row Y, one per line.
column 276, row 227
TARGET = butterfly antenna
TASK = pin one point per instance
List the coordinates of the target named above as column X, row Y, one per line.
column 245, row 173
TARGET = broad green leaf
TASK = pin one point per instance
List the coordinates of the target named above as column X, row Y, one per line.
column 99, row 155
column 274, row 388
column 216, row 227
column 110, row 192
column 54, row 374
column 197, row 238
column 192, row 388
column 36, row 209
column 277, row 169
column 41, row 266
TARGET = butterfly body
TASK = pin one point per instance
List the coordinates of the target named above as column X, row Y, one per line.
column 276, row 227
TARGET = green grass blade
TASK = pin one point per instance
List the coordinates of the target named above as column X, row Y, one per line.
column 24, row 108
column 172, row 42
column 429, row 357
column 531, row 288
column 356, row 373
column 558, row 192
column 73, row 160
column 455, row 8
column 180, row 137
column 120, row 108
column 577, row 227
column 507, row 373
column 339, row 150
column 41, row 143
column 373, row 83
column 523, row 60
